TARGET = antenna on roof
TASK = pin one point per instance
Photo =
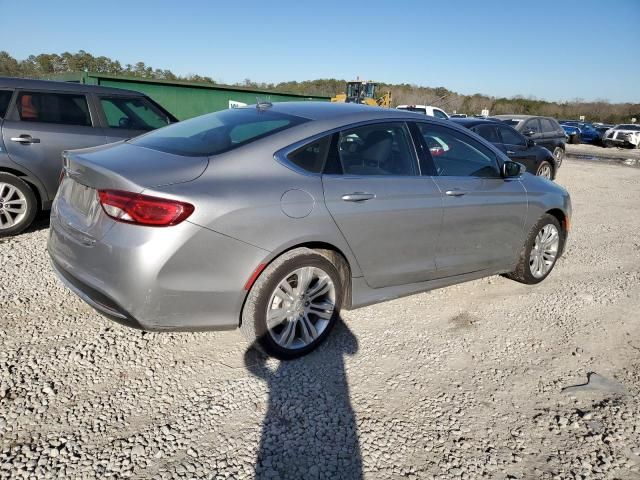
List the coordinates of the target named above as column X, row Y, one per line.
column 263, row 102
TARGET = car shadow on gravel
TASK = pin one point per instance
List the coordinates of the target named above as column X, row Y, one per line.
column 310, row 430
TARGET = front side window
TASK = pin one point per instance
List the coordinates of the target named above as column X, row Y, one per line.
column 457, row 155
column 218, row 132
column 488, row 132
column 62, row 108
column 135, row 113
column 439, row 114
column 377, row 149
column 531, row 126
column 511, row 137
column 5, row 98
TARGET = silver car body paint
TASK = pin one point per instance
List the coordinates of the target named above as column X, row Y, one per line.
column 252, row 205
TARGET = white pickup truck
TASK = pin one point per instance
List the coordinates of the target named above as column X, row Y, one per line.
column 425, row 109
column 624, row 135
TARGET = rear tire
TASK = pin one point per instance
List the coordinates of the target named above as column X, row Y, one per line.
column 300, row 318
column 18, row 205
column 534, row 264
column 558, row 154
column 545, row 170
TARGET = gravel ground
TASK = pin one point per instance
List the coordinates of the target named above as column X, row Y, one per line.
column 463, row 382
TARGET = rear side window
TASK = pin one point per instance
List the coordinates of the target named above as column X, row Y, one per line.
column 311, row 157
column 439, row 114
column 488, row 132
column 5, row 98
column 218, row 132
column 62, row 108
column 377, row 149
column 136, row 113
column 457, row 155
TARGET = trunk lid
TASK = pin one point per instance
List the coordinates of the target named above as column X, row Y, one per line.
column 77, row 211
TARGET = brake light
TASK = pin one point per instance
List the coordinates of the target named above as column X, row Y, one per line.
column 141, row 209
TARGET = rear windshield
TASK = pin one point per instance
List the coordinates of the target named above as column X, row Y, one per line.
column 628, row 127
column 414, row 109
column 217, row 132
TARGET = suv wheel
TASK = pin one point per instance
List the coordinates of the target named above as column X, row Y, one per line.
column 18, row 205
column 558, row 154
column 545, row 170
column 293, row 305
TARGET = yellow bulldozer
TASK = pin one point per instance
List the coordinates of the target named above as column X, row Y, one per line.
column 363, row 92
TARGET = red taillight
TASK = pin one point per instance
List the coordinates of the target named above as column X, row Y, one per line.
column 143, row 209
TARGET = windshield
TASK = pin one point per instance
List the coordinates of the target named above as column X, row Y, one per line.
column 414, row 109
column 217, row 132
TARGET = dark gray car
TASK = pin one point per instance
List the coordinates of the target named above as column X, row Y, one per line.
column 39, row 119
column 544, row 131
column 272, row 218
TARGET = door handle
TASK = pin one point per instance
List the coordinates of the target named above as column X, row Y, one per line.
column 510, row 152
column 25, row 139
column 357, row 196
column 455, row 192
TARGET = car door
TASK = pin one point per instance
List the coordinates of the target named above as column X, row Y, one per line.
column 484, row 214
column 42, row 125
column 389, row 215
column 531, row 129
column 517, row 148
column 130, row 116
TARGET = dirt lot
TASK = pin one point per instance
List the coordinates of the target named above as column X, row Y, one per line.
column 464, row 382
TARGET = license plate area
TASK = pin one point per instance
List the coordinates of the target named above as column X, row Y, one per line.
column 80, row 197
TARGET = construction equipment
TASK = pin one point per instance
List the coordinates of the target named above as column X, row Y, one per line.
column 363, row 92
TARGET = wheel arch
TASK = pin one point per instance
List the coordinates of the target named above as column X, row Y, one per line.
column 561, row 217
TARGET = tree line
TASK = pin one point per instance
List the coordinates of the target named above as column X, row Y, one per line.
column 601, row 110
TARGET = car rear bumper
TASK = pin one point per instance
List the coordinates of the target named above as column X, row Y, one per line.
column 177, row 278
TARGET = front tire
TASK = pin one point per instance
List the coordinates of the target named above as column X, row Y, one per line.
column 293, row 305
column 540, row 253
column 545, row 170
column 18, row 205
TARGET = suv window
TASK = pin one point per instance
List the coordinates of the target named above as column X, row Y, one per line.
column 531, row 124
column 547, row 125
column 488, row 132
column 217, row 132
column 63, row 108
column 458, row 155
column 136, row 113
column 377, row 149
column 311, row 157
column 5, row 98
column 439, row 114
column 511, row 137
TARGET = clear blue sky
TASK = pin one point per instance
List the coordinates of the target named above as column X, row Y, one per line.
column 556, row 50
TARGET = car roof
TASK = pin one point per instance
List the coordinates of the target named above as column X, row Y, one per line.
column 514, row 116
column 60, row 86
column 473, row 121
column 342, row 111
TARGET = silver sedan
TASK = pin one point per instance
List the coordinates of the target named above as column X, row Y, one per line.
column 272, row 218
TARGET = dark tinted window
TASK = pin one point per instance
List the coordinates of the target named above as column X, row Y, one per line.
column 5, row 98
column 136, row 113
column 547, row 125
column 511, row 137
column 414, row 109
column 311, row 157
column 458, row 155
column 377, row 149
column 488, row 132
column 531, row 125
column 67, row 109
column 218, row 132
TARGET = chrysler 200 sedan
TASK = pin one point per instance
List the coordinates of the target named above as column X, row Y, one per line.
column 272, row 218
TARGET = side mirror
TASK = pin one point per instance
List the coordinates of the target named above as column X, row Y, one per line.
column 530, row 143
column 512, row 169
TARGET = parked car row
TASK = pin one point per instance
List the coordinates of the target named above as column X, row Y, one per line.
column 39, row 119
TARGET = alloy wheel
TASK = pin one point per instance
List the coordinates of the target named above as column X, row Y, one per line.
column 558, row 154
column 545, row 251
column 301, row 307
column 544, row 171
column 13, row 206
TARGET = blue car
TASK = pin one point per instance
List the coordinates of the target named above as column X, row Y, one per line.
column 572, row 132
column 588, row 132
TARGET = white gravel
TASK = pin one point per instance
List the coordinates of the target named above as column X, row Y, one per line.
column 464, row 382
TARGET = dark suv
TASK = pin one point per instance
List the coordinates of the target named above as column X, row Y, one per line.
column 39, row 119
column 545, row 131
